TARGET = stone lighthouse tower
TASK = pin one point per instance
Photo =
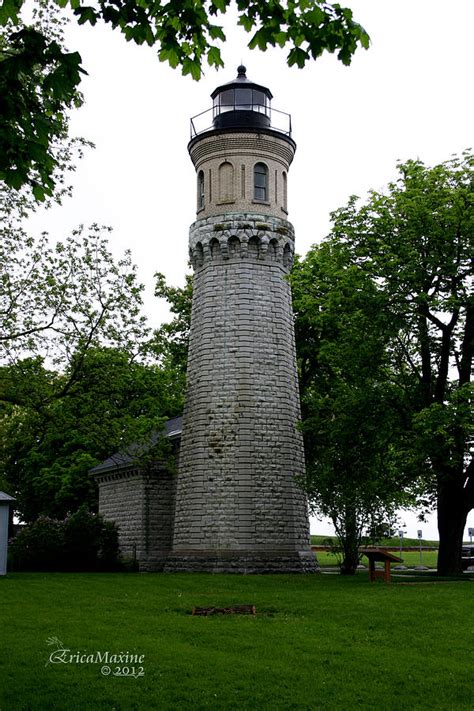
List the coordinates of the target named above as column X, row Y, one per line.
column 239, row 505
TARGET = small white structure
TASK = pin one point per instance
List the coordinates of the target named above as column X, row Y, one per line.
column 5, row 502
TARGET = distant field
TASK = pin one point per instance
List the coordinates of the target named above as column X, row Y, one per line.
column 410, row 558
column 318, row 643
column 321, row 540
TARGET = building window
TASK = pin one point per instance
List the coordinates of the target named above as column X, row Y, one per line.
column 200, row 190
column 260, row 182
column 226, row 182
column 285, row 192
column 241, row 99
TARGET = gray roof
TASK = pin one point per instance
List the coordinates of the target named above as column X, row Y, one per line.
column 242, row 81
column 5, row 497
column 121, row 460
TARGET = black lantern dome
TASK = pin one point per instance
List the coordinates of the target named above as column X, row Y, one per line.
column 241, row 103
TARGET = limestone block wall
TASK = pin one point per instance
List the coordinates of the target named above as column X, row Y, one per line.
column 141, row 503
column 241, row 453
column 121, row 499
column 160, row 494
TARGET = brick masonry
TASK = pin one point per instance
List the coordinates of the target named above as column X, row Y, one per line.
column 230, row 158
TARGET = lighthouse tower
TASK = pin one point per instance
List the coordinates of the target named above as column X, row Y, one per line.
column 239, row 502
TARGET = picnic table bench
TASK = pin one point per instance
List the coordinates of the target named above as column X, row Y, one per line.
column 379, row 555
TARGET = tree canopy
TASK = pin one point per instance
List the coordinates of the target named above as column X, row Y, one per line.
column 186, row 33
column 56, row 301
column 413, row 246
column 170, row 342
column 39, row 82
column 39, row 78
column 76, row 383
column 349, row 418
column 49, row 443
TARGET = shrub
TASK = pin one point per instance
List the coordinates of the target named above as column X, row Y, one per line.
column 39, row 546
column 82, row 531
column 109, row 546
column 83, row 541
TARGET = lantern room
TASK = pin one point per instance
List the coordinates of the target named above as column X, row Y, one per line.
column 241, row 103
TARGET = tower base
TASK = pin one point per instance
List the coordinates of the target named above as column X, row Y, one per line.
column 242, row 562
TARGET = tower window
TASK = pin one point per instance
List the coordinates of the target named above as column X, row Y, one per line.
column 200, row 190
column 226, row 182
column 260, row 182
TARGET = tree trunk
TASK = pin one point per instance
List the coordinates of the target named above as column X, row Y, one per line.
column 350, row 560
column 350, row 543
column 452, row 515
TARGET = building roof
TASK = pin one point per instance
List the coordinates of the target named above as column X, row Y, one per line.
column 5, row 497
column 122, row 460
column 241, row 81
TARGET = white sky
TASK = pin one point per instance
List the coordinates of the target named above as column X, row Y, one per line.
column 409, row 96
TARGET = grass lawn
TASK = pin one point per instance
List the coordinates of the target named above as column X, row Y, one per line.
column 410, row 558
column 395, row 541
column 317, row 642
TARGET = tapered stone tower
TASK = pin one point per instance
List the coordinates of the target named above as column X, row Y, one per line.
column 239, row 506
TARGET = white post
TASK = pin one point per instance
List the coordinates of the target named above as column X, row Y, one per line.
column 5, row 502
column 420, row 536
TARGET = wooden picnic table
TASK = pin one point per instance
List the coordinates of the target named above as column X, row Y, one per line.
column 379, row 555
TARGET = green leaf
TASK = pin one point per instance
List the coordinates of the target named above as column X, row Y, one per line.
column 345, row 56
column 170, row 56
column 216, row 32
column 281, row 38
column 9, row 11
column 15, row 179
column 260, row 40
column 315, row 16
column 191, row 66
column 246, row 22
column 86, row 14
column 297, row 56
column 214, row 57
column 364, row 38
column 220, row 5
column 39, row 193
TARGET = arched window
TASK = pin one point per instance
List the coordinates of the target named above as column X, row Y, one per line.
column 200, row 188
column 215, row 249
column 198, row 255
column 272, row 250
column 233, row 245
column 254, row 247
column 260, row 182
column 226, row 182
column 285, row 192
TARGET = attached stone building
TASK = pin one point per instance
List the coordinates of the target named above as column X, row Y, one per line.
column 140, row 499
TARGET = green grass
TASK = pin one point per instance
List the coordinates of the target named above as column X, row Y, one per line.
column 395, row 541
column 410, row 558
column 317, row 642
